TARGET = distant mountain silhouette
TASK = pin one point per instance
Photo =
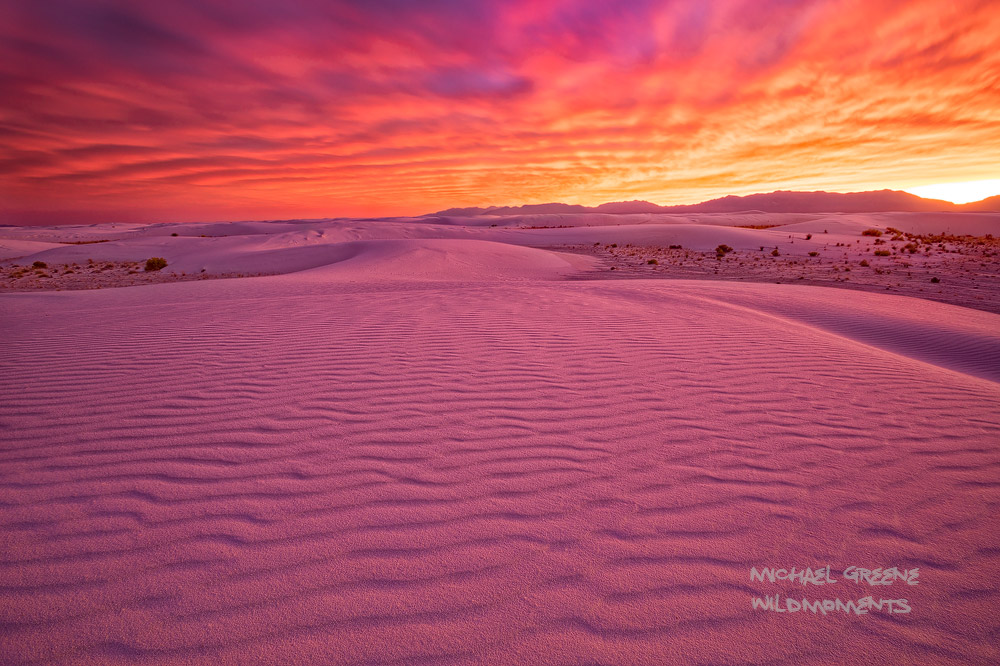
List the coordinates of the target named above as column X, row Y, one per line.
column 990, row 205
column 824, row 202
column 882, row 201
column 530, row 209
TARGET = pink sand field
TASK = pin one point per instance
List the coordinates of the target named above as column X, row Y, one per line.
column 429, row 441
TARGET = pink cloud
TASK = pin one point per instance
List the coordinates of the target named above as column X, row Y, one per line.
column 317, row 108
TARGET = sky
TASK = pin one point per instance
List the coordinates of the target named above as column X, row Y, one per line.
column 134, row 110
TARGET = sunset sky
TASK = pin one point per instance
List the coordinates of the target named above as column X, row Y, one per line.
column 119, row 110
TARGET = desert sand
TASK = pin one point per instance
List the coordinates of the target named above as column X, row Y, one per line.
column 500, row 440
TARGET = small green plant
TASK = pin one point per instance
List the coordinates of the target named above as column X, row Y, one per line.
column 814, row 254
column 155, row 264
column 39, row 264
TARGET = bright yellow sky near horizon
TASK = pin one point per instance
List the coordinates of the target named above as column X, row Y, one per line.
column 960, row 193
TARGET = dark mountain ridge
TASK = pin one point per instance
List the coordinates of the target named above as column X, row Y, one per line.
column 782, row 201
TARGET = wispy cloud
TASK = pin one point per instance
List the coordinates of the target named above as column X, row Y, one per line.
column 214, row 109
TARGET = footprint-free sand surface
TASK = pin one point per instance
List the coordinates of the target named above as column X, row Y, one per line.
column 429, row 442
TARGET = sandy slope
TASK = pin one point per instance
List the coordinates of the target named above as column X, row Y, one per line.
column 440, row 451
column 13, row 248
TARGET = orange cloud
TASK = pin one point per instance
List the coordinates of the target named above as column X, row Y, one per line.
column 142, row 110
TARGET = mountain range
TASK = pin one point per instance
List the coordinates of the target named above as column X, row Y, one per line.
column 782, row 201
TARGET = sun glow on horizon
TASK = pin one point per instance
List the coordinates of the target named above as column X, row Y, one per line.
column 959, row 193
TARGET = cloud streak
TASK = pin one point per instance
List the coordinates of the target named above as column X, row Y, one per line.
column 209, row 109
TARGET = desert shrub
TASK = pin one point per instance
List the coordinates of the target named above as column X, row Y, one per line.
column 722, row 250
column 174, row 234
column 809, row 236
column 156, row 263
column 882, row 253
column 653, row 261
column 775, row 253
column 39, row 264
column 814, row 254
column 864, row 262
column 935, row 280
column 871, row 232
column 675, row 247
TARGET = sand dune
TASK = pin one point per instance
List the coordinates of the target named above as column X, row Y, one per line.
column 448, row 260
column 12, row 248
column 440, row 451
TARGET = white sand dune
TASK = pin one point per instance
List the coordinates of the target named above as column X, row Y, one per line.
column 439, row 451
column 11, row 248
column 973, row 224
column 957, row 338
column 447, row 260
column 315, row 244
column 436, row 259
